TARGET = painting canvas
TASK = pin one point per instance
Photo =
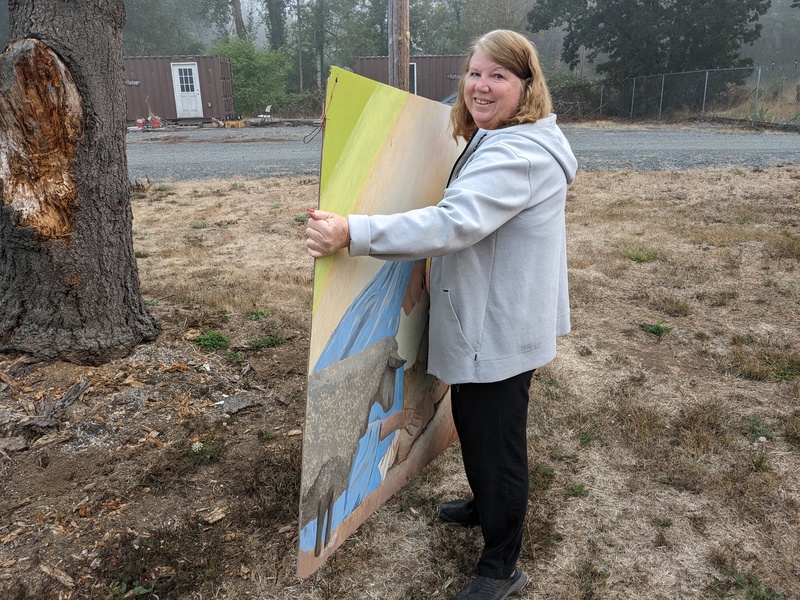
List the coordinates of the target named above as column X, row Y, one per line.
column 374, row 417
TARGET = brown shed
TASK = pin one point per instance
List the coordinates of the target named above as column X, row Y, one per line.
column 434, row 77
column 178, row 88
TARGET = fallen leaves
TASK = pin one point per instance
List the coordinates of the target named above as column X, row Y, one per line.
column 151, row 437
column 58, row 575
column 14, row 535
column 215, row 515
column 13, row 444
column 50, row 439
column 175, row 368
column 163, row 572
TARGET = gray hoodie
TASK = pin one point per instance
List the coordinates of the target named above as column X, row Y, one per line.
column 498, row 279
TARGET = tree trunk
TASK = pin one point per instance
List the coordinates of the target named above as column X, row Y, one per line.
column 69, row 288
column 299, row 30
column 276, row 18
column 236, row 8
column 319, row 39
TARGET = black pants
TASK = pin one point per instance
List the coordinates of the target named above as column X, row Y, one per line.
column 491, row 421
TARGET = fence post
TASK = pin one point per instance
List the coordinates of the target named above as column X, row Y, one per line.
column 705, row 93
column 633, row 95
column 755, row 102
column 602, row 87
column 661, row 99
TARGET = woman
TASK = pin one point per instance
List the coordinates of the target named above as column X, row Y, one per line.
column 498, row 283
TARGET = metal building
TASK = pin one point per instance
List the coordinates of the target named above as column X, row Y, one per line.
column 434, row 77
column 178, row 88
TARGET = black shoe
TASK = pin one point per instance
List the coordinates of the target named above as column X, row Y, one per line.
column 486, row 588
column 459, row 512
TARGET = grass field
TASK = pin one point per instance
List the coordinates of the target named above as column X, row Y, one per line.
column 664, row 440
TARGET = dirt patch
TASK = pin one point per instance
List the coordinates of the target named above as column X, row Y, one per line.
column 664, row 444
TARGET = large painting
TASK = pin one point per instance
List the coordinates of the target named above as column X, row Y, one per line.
column 374, row 417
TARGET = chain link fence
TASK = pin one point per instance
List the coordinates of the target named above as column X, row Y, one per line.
column 756, row 94
column 752, row 94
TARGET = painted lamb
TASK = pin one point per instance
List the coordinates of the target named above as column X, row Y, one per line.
column 339, row 401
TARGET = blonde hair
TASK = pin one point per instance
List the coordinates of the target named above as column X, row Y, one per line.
column 516, row 53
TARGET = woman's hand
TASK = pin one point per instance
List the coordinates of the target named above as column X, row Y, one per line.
column 326, row 233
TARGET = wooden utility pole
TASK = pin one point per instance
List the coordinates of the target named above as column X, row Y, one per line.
column 399, row 37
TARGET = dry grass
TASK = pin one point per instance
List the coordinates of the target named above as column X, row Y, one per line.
column 663, row 465
column 777, row 101
column 653, row 432
column 226, row 245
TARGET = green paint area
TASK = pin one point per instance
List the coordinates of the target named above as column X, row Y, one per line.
column 360, row 115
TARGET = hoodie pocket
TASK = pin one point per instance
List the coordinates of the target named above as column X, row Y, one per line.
column 447, row 329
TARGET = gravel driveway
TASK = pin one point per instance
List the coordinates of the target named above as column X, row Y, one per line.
column 184, row 154
column 294, row 151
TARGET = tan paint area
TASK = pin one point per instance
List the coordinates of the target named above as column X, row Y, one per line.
column 41, row 121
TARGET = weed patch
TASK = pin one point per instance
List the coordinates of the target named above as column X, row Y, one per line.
column 657, row 330
column 257, row 315
column 643, row 256
column 592, row 580
column 541, row 478
column 550, row 388
column 747, row 585
column 787, row 245
column 201, row 453
column 265, row 341
column 757, row 429
column 234, row 357
column 660, row 540
column 760, row 461
column 181, row 460
column 212, row 340
column 575, row 490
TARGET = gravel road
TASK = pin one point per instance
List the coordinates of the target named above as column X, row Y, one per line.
column 184, row 154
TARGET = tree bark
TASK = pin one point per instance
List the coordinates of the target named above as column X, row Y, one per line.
column 69, row 287
column 319, row 39
column 236, row 8
column 276, row 18
column 398, row 23
column 299, row 30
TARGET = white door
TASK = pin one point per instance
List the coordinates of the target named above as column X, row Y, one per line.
column 187, row 90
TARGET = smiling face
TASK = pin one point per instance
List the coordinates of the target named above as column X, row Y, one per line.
column 492, row 93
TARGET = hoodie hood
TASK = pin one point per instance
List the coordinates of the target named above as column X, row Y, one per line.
column 547, row 134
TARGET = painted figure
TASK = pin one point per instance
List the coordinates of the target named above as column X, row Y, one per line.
column 357, row 389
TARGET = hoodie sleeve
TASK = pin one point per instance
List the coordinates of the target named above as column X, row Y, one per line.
column 496, row 183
